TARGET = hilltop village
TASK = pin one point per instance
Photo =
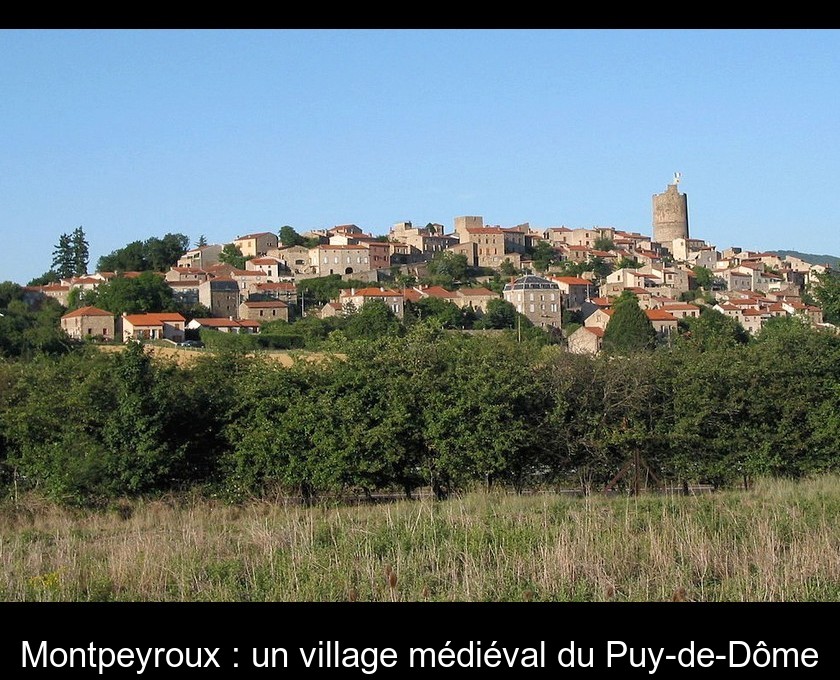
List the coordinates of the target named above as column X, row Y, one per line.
column 561, row 279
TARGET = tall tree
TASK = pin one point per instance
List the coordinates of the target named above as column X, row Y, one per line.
column 201, row 242
column 629, row 329
column 81, row 252
column 64, row 261
column 826, row 289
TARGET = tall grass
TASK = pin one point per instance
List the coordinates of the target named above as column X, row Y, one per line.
column 779, row 541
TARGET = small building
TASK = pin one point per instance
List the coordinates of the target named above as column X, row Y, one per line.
column 200, row 257
column 477, row 298
column 586, row 340
column 357, row 297
column 256, row 245
column 272, row 267
column 89, row 322
column 152, row 326
column 264, row 310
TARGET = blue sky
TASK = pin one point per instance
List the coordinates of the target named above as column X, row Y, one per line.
column 132, row 133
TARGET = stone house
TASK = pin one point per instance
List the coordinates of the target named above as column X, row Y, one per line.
column 220, row 295
column 538, row 298
column 356, row 297
column 270, row 266
column 200, row 257
column 264, row 310
column 575, row 290
column 89, row 322
column 256, row 245
column 477, row 298
column 586, row 340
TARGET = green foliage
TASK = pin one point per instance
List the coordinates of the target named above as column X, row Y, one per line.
column 125, row 434
column 444, row 312
column 321, row 290
column 232, row 255
column 222, row 340
column 507, row 268
column 153, row 254
column 447, row 268
column 64, row 261
column 80, row 251
column 703, row 277
column 501, row 314
column 9, row 290
column 46, row 278
column 26, row 332
column 374, row 320
column 289, row 237
column 544, row 256
column 712, row 330
column 826, row 291
column 604, row 243
column 629, row 330
column 625, row 262
column 148, row 292
column 404, row 407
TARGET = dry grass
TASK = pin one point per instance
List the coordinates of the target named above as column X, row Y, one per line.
column 777, row 542
column 185, row 357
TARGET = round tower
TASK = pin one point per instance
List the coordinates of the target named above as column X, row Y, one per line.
column 670, row 214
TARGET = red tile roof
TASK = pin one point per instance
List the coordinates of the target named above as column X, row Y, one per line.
column 153, row 319
column 572, row 280
column 265, row 304
column 476, row 291
column 86, row 311
column 659, row 315
column 371, row 292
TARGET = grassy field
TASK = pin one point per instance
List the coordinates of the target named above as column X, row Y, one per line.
column 780, row 541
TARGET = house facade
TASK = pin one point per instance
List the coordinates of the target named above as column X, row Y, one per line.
column 538, row 298
column 89, row 322
column 264, row 310
column 160, row 326
column 256, row 245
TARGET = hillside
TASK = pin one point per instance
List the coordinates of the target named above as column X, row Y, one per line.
column 830, row 260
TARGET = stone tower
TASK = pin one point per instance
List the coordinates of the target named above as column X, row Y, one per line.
column 670, row 214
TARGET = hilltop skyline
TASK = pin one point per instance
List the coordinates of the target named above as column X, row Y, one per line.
column 133, row 133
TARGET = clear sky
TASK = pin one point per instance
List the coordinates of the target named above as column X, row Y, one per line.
column 133, row 133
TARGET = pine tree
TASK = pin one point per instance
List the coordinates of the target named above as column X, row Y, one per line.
column 81, row 252
column 202, row 241
column 63, row 262
column 629, row 329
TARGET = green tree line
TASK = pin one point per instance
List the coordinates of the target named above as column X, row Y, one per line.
column 424, row 408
